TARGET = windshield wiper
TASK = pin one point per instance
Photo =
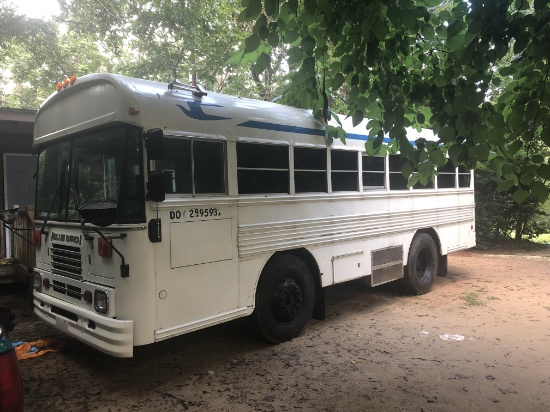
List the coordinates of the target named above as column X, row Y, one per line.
column 43, row 228
column 57, row 193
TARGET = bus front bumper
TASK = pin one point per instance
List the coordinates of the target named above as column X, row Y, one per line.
column 111, row 336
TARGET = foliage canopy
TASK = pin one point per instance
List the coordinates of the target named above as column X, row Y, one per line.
column 475, row 72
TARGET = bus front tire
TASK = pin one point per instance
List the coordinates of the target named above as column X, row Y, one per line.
column 422, row 265
column 285, row 299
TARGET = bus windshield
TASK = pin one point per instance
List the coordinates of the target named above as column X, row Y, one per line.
column 99, row 165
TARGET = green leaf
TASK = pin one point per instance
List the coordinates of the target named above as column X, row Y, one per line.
column 337, row 81
column 381, row 30
column 290, row 36
column 252, row 11
column 537, row 158
column 544, row 171
column 271, row 7
column 520, row 195
column 540, row 191
column 431, row 3
column 506, row 185
column 310, row 6
column 295, row 55
column 262, row 63
column 515, row 146
column 447, row 134
column 235, row 58
column 252, row 43
column 273, row 39
column 357, row 117
column 457, row 42
column 407, row 169
column 428, row 31
column 437, row 157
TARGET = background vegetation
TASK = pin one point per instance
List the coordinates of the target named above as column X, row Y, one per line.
column 475, row 72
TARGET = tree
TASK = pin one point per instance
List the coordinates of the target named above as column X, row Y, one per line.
column 422, row 63
column 37, row 55
column 161, row 39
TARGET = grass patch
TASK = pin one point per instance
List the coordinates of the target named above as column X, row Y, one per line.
column 492, row 298
column 545, row 238
column 472, row 299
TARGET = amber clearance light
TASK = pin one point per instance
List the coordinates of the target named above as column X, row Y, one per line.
column 65, row 82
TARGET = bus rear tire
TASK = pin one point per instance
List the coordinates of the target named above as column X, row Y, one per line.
column 285, row 298
column 421, row 266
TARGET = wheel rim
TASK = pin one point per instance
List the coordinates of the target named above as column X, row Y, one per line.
column 287, row 300
column 423, row 264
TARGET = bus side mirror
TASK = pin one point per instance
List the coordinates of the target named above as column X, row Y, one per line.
column 155, row 187
column 154, row 143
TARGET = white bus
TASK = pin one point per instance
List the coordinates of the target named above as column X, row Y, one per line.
column 163, row 209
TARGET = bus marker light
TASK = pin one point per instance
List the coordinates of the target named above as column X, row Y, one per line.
column 101, row 302
column 37, row 238
column 46, row 283
column 88, row 296
column 132, row 111
column 72, row 79
column 58, row 86
column 104, row 248
column 37, row 282
column 65, row 83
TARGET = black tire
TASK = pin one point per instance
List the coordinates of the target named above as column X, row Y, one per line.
column 421, row 266
column 284, row 299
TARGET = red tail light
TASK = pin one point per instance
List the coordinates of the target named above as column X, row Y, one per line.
column 104, row 248
column 37, row 237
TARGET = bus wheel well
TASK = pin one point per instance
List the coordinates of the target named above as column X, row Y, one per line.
column 306, row 256
column 442, row 259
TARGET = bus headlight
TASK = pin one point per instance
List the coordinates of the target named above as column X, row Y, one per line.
column 37, row 281
column 101, row 301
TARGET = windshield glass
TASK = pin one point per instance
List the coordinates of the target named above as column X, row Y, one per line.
column 103, row 165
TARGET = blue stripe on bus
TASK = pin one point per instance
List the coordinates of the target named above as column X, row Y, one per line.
column 254, row 124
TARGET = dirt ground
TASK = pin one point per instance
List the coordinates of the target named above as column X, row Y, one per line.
column 480, row 341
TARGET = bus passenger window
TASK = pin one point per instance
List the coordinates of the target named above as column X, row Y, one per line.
column 446, row 176
column 310, row 170
column 201, row 173
column 208, row 166
column 262, row 168
column 397, row 180
column 464, row 177
column 176, row 165
column 374, row 172
column 345, row 170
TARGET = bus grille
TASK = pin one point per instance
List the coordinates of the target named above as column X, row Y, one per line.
column 67, row 261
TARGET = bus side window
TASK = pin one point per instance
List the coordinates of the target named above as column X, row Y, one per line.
column 203, row 172
column 446, row 176
column 209, row 166
column 464, row 177
column 374, row 172
column 345, row 170
column 397, row 180
column 310, row 169
column 176, row 165
column 262, row 168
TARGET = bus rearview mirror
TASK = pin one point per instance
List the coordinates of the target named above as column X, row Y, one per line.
column 154, row 143
column 155, row 187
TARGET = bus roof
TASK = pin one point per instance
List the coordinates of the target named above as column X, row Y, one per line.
column 99, row 99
